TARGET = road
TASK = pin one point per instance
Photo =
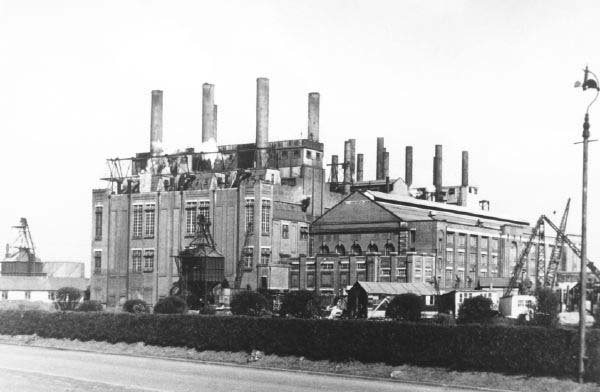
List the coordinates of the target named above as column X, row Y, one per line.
column 25, row 369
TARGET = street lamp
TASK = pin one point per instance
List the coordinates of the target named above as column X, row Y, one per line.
column 592, row 84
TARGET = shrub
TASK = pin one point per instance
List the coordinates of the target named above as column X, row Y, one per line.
column 248, row 303
column 90, row 306
column 135, row 306
column 208, row 309
column 477, row 309
column 405, row 307
column 24, row 305
column 524, row 350
column 170, row 305
column 546, row 310
column 444, row 319
column 301, row 304
column 68, row 298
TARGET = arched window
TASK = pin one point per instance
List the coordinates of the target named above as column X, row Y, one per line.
column 340, row 249
column 323, row 248
column 355, row 249
column 372, row 247
column 388, row 248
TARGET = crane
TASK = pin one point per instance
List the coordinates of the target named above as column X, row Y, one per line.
column 239, row 270
column 523, row 257
column 557, row 251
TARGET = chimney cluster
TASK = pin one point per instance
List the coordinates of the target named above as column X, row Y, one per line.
column 209, row 119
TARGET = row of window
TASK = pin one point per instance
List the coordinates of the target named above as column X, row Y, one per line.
column 265, row 256
column 51, row 295
column 356, row 249
column 461, row 242
column 142, row 260
column 296, row 154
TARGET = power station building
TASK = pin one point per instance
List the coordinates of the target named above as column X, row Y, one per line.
column 280, row 221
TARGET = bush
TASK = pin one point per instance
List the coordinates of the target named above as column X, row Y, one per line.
column 208, row 310
column 135, row 306
column 444, row 319
column 524, row 350
column 405, row 307
column 90, row 306
column 547, row 307
column 301, row 304
column 477, row 309
column 68, row 298
column 24, row 305
column 248, row 303
column 170, row 305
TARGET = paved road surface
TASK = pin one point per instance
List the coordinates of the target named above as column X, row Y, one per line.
column 26, row 369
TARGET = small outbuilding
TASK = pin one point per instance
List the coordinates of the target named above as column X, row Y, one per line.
column 363, row 295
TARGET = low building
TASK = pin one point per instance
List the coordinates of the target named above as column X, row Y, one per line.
column 364, row 295
column 451, row 301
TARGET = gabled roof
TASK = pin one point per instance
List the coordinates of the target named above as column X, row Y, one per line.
column 398, row 204
column 387, row 288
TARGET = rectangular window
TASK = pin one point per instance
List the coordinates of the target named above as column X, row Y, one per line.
column 460, row 261
column 450, row 240
column 473, row 243
column 327, row 280
column 296, row 153
column 493, row 266
column 98, row 226
column 462, row 241
column 97, row 261
column 284, row 155
column 190, row 217
column 285, row 231
column 136, row 258
column 303, row 232
column 265, row 255
column 249, row 213
column 310, row 266
column 4, row 294
column 484, row 244
column 204, row 210
column 472, row 262
column 248, row 257
column 345, row 266
column 413, row 236
column 308, row 154
column 28, row 294
column 150, row 217
column 51, row 295
column 495, row 242
column 265, row 217
column 327, row 266
column 449, row 258
column 361, row 265
column 137, row 220
column 148, row 260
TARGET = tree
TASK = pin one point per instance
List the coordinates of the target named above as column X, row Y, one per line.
column 170, row 305
column 547, row 307
column 248, row 303
column 405, row 307
column 301, row 304
column 477, row 309
column 68, row 298
column 135, row 306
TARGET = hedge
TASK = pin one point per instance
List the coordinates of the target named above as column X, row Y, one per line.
column 525, row 350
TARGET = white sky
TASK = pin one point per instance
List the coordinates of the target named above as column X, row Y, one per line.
column 492, row 77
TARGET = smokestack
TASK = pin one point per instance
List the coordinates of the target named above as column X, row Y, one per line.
column 208, row 112
column 379, row 160
column 359, row 167
column 408, row 166
column 386, row 164
column 437, row 172
column 465, row 168
column 347, row 162
column 352, row 158
column 215, row 121
column 313, row 116
column 334, row 168
column 156, row 122
column 7, row 254
column 262, row 121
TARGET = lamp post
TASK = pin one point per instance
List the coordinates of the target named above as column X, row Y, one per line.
column 588, row 83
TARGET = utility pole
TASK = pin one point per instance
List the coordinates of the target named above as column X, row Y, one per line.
column 588, row 83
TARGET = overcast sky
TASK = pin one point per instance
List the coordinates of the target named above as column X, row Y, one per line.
column 491, row 77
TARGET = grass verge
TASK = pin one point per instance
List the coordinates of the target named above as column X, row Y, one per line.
column 407, row 373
